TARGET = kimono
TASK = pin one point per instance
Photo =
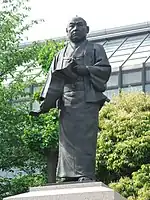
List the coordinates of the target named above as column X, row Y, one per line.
column 80, row 99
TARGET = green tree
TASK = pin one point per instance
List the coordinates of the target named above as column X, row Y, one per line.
column 17, row 59
column 124, row 140
column 46, row 54
column 13, row 17
column 23, row 58
column 41, row 134
column 13, row 58
column 137, row 187
column 19, row 184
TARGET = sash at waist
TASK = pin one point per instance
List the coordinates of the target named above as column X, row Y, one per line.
column 77, row 86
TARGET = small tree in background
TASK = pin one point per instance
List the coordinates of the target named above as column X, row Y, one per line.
column 13, row 114
column 12, row 58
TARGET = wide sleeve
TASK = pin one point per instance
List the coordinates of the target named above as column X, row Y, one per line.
column 101, row 70
column 52, row 89
column 48, row 79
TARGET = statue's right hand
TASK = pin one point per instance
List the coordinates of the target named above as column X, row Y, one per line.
column 34, row 113
column 71, row 63
column 68, row 70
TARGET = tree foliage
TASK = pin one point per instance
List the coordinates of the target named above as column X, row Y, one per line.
column 13, row 23
column 41, row 133
column 124, row 141
column 137, row 187
column 14, row 56
column 19, row 184
column 13, row 113
column 49, row 50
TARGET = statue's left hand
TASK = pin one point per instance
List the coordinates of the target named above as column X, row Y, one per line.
column 81, row 70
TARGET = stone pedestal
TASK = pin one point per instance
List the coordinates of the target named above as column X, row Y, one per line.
column 75, row 191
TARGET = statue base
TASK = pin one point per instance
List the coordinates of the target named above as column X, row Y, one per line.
column 67, row 191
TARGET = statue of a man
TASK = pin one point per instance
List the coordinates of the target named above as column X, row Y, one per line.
column 77, row 80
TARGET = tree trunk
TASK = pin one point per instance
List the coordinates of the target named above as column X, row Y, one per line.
column 52, row 157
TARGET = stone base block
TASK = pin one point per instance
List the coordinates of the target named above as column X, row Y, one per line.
column 75, row 191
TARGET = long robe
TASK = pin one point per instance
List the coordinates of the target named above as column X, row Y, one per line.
column 80, row 99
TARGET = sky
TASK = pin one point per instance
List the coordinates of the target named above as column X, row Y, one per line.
column 98, row 14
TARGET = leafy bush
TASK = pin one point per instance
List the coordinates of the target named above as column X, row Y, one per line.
column 136, row 188
column 41, row 133
column 124, row 141
column 46, row 55
column 124, row 144
column 19, row 184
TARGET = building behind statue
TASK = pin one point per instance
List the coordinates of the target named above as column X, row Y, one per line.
column 128, row 50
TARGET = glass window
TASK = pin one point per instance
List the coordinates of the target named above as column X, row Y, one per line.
column 133, row 63
column 129, row 67
column 22, row 104
column 112, row 45
column 138, row 55
column 115, row 66
column 21, row 68
column 117, row 58
column 109, row 53
column 132, row 88
column 27, row 90
column 101, row 42
column 147, row 64
column 143, row 48
column 36, row 88
column 110, row 49
column 137, row 38
column 34, row 71
column 40, row 78
column 35, row 105
column 132, row 42
column 147, row 88
column 113, row 81
column 129, row 45
column 147, row 75
column 114, row 42
column 131, row 77
column 11, row 173
column 111, row 93
column 146, row 42
column 148, row 60
column 7, row 81
column 122, row 52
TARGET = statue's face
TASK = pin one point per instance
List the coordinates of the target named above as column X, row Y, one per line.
column 77, row 30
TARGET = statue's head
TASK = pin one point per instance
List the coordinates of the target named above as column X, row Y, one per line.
column 77, row 30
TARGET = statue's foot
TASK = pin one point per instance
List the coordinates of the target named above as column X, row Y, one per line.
column 68, row 179
column 84, row 179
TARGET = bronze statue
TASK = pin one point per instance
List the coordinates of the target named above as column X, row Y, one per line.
column 77, row 79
